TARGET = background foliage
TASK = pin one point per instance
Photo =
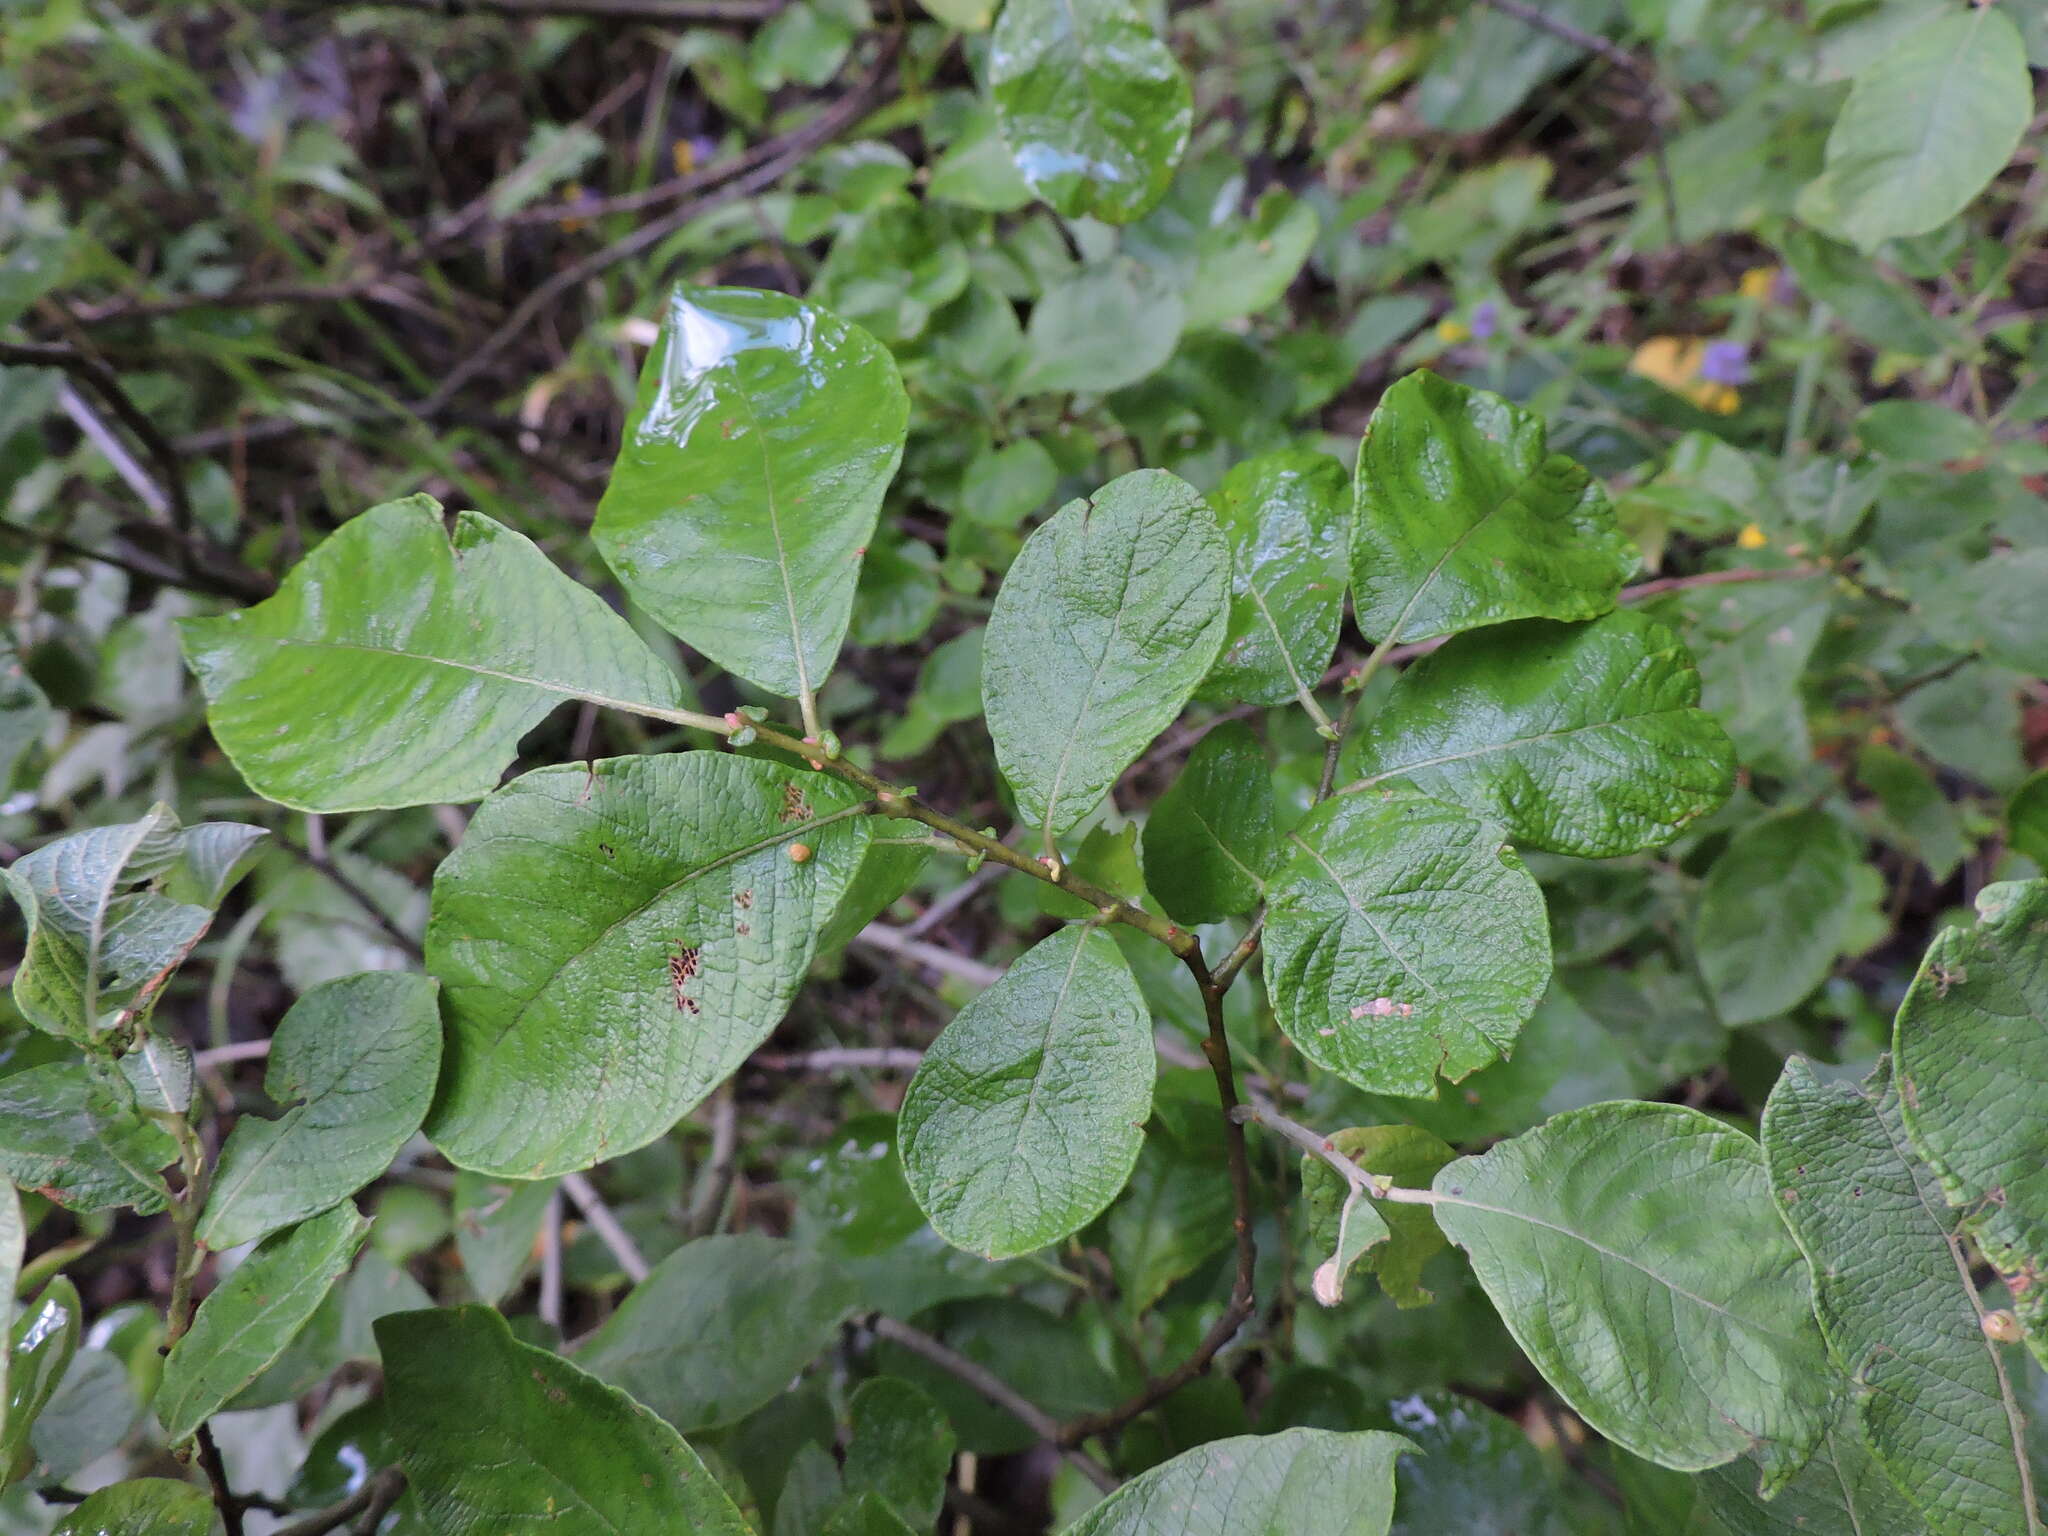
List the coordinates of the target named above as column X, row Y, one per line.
column 1765, row 284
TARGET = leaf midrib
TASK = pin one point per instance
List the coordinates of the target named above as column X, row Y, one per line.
column 1509, row 745
column 566, row 690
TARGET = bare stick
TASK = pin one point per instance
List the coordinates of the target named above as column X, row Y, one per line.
column 716, row 1180
column 606, row 1226
column 880, row 1058
column 995, row 1390
column 876, row 936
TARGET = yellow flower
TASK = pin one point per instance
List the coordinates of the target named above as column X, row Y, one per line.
column 573, row 193
column 1451, row 332
column 1751, row 537
column 1758, row 281
column 1674, row 363
column 683, row 156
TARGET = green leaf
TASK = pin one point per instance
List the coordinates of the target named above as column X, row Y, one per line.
column 355, row 1062
column 1403, row 939
column 1635, row 1252
column 1892, row 1289
column 1245, row 265
column 13, row 1241
column 112, row 912
column 896, row 855
column 1306, row 1482
column 41, row 1343
column 1925, row 128
column 1779, row 905
column 1287, row 520
column 1971, row 1049
column 1990, row 605
column 1465, row 519
column 1408, row 1236
column 1912, row 810
column 67, row 1136
column 148, row 1506
column 1209, row 840
column 1109, row 617
column 864, row 1514
column 1025, row 1117
column 1105, row 327
column 24, row 713
column 496, row 1223
column 430, row 654
column 252, row 1315
column 1089, row 99
column 1584, row 739
column 518, row 1432
column 720, row 1327
column 2026, row 819
column 614, row 938
column 1173, row 1215
column 758, row 450
column 901, row 1449
column 1842, row 1491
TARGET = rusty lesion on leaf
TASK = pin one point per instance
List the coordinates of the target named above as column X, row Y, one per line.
column 682, row 967
column 796, row 806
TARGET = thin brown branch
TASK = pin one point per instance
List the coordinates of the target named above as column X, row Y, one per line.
column 244, row 587
column 993, row 1389
column 715, row 1183
column 216, row 1472
column 583, row 1194
column 346, row 884
column 373, row 1500
column 1243, row 1299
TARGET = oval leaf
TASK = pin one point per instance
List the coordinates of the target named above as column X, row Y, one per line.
column 722, row 1325
column 355, row 1061
column 1025, row 1117
column 1403, row 939
column 1896, row 1304
column 148, row 1506
column 1775, row 910
column 1111, row 614
column 1584, row 739
column 1306, row 1482
column 1089, row 99
column 1971, row 1046
column 1466, row 519
column 1287, row 519
column 614, row 938
column 430, row 653
column 1926, row 126
column 493, row 1432
column 247, row 1321
column 752, row 472
column 68, row 1137
column 1209, row 840
column 1635, row 1252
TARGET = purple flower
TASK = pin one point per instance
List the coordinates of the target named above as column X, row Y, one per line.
column 1485, row 320
column 1725, row 362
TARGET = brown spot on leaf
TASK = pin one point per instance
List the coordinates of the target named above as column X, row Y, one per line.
column 796, row 806
column 682, row 966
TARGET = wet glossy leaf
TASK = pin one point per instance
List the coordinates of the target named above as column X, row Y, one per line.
column 1968, row 1045
column 112, row 912
column 354, row 1062
column 720, row 1327
column 1775, row 911
column 148, row 1506
column 42, row 1340
column 1287, row 519
column 1635, row 1252
column 1025, row 1118
column 1584, row 739
column 1109, row 618
column 763, row 437
column 1209, row 841
column 1927, row 125
column 1089, row 99
column 1404, row 940
column 1306, row 1482
column 614, row 939
column 249, row 1318
column 1465, row 519
column 431, row 652
column 68, row 1136
column 518, row 1430
column 1892, row 1289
